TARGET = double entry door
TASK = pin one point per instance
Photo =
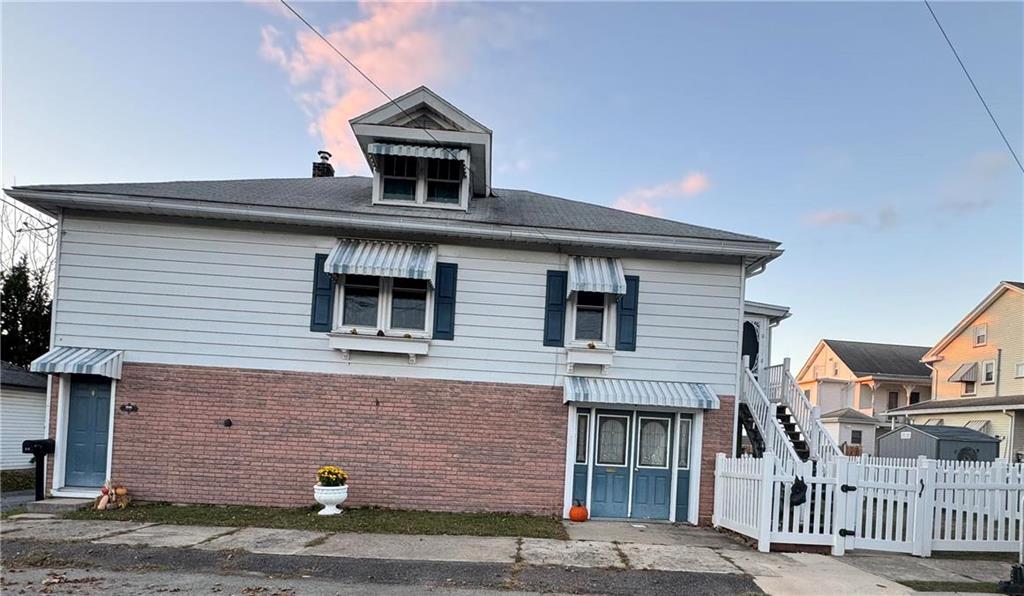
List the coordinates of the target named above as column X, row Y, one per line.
column 632, row 474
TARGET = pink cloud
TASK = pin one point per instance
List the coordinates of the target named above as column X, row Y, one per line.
column 400, row 45
column 646, row 200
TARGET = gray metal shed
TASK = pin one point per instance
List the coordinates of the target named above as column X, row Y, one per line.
column 938, row 442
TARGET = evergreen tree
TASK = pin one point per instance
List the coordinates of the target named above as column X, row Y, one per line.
column 25, row 308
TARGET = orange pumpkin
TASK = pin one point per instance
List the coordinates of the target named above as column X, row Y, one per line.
column 578, row 513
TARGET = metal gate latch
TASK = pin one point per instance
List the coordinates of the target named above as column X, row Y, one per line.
column 844, row 532
column 847, row 488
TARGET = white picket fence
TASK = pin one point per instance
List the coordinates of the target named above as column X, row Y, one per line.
column 873, row 504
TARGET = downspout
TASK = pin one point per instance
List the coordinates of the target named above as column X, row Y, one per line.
column 999, row 366
column 1010, row 435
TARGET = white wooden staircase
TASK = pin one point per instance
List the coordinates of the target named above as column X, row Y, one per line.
column 777, row 417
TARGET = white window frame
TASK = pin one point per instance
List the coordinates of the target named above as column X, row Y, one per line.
column 384, row 299
column 609, row 331
column 421, row 189
column 1019, row 371
column 980, row 331
column 625, row 447
column 966, row 393
column 668, row 442
column 859, row 434
column 984, row 365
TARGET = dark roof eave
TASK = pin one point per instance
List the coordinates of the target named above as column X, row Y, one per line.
column 760, row 251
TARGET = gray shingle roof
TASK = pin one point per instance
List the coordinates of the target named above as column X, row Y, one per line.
column 1014, row 401
column 952, row 433
column 851, row 415
column 351, row 194
column 1017, row 284
column 881, row 359
column 17, row 376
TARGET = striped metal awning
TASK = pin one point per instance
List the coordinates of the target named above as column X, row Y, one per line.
column 628, row 392
column 967, row 373
column 418, row 151
column 386, row 259
column 596, row 274
column 981, row 426
column 82, row 361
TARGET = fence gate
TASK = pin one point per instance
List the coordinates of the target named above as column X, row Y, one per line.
column 879, row 506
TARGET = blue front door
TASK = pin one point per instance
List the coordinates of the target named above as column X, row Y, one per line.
column 88, row 432
column 652, row 473
column 610, row 493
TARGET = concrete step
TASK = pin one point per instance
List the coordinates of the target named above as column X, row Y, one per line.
column 58, row 505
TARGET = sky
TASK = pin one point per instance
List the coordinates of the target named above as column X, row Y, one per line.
column 845, row 131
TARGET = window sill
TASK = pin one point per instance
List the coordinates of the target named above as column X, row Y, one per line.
column 428, row 205
column 602, row 356
column 347, row 342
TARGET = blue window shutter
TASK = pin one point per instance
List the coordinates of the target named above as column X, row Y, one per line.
column 444, row 300
column 626, row 320
column 322, row 309
column 554, row 308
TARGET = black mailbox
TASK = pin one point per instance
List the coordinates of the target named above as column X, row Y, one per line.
column 40, row 448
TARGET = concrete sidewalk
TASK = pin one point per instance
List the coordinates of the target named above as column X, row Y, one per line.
column 662, row 548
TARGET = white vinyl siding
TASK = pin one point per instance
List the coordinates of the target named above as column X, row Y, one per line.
column 22, row 416
column 232, row 297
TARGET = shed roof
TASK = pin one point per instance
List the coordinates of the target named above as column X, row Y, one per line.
column 866, row 359
column 946, row 433
column 965, row 404
column 850, row 415
column 16, row 376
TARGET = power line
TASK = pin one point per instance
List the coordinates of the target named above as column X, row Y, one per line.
column 367, row 77
column 976, row 90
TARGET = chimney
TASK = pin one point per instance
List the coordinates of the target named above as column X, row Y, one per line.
column 323, row 168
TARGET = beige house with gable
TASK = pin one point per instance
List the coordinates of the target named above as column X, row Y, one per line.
column 978, row 378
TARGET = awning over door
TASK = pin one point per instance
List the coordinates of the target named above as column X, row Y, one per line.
column 81, row 361
column 386, row 259
column 627, row 392
column 418, row 151
column 596, row 274
column 967, row 373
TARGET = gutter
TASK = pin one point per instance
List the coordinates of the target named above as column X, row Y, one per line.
column 958, row 409
column 758, row 253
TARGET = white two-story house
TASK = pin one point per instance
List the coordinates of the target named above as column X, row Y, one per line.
column 978, row 373
column 452, row 345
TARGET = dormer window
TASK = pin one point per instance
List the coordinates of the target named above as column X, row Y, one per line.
column 420, row 175
column 398, row 177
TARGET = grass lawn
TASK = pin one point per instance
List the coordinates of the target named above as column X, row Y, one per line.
column 12, row 480
column 973, row 587
column 370, row 520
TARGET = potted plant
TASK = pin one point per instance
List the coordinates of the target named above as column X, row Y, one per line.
column 331, row 489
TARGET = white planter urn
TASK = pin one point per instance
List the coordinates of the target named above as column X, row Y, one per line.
column 330, row 497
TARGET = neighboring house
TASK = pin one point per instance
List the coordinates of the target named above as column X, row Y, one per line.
column 979, row 372
column 22, row 413
column 452, row 345
column 868, row 378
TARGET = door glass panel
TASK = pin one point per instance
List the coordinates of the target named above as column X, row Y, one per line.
column 582, row 432
column 653, row 443
column 684, row 444
column 611, row 441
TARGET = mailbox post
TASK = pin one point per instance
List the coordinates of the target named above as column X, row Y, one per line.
column 39, row 448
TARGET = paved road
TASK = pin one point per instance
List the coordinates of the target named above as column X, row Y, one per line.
column 133, row 569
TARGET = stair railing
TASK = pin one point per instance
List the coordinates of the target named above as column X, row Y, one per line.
column 764, row 411
column 788, row 393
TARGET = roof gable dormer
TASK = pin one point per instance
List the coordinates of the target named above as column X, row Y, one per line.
column 424, row 151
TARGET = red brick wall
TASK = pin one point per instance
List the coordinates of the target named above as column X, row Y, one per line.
column 718, row 438
column 406, row 443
